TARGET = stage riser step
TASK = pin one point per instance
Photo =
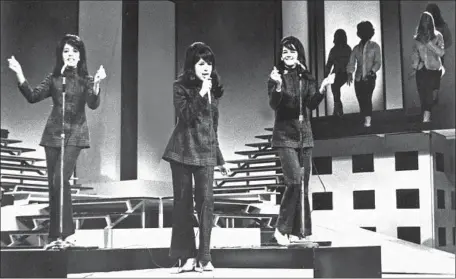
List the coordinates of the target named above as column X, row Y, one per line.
column 362, row 261
column 161, row 238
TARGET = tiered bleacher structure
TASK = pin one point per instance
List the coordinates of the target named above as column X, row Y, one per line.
column 135, row 223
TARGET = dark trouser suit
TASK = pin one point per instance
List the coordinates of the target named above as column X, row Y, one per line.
column 428, row 86
column 53, row 166
column 289, row 221
column 183, row 244
column 364, row 90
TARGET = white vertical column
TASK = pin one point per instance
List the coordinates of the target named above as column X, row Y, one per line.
column 100, row 27
column 295, row 22
column 156, row 73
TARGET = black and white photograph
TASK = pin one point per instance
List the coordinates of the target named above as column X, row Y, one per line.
column 227, row 139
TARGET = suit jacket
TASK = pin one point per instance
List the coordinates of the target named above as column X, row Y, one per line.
column 79, row 92
column 285, row 103
column 194, row 140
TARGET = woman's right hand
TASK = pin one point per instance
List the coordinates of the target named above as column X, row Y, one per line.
column 14, row 65
column 275, row 76
column 206, row 86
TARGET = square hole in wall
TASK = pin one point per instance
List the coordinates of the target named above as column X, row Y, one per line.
column 374, row 229
column 407, row 198
column 442, row 237
column 322, row 201
column 363, row 163
column 440, row 199
column 406, row 160
column 439, row 162
column 412, row 234
column 364, row 199
column 322, row 165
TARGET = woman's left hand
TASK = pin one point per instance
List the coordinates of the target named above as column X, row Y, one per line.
column 225, row 170
column 327, row 81
column 100, row 75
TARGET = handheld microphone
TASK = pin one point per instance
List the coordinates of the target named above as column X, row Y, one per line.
column 209, row 92
column 63, row 68
column 303, row 68
column 63, row 77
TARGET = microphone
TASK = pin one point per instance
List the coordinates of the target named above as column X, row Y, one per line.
column 63, row 84
column 209, row 92
column 63, row 77
column 303, row 68
column 63, row 68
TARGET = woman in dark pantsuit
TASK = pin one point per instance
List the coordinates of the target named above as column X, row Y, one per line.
column 287, row 82
column 193, row 152
column 70, row 75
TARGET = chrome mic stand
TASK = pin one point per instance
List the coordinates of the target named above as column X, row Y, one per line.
column 60, row 244
column 301, row 153
column 303, row 241
column 62, row 153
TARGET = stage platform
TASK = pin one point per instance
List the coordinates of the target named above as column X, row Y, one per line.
column 326, row 262
column 142, row 251
column 217, row 273
column 230, row 273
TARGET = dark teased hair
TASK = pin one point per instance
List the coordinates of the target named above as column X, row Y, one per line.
column 195, row 52
column 77, row 43
column 340, row 38
column 435, row 12
column 425, row 31
column 293, row 43
column 365, row 30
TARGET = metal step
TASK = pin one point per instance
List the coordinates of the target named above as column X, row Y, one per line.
column 255, row 161
column 13, row 158
column 27, row 177
column 23, row 177
column 15, row 150
column 247, row 179
column 260, row 145
column 6, row 141
column 11, row 185
column 43, row 197
column 245, row 194
column 38, row 169
column 265, row 137
column 243, row 188
column 38, row 189
column 255, row 169
column 80, row 216
column 257, row 153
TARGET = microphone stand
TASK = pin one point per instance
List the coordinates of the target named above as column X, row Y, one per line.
column 308, row 244
column 301, row 151
column 60, row 244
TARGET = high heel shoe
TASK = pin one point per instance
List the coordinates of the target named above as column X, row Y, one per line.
column 189, row 265
column 281, row 238
column 204, row 266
